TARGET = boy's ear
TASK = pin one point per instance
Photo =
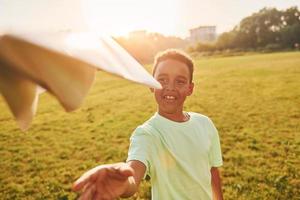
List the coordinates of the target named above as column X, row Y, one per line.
column 151, row 90
column 191, row 89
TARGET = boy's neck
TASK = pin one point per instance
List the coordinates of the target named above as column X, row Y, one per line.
column 177, row 117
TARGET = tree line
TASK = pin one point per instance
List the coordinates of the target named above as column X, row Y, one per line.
column 268, row 29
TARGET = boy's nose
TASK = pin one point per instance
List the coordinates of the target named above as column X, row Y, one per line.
column 170, row 86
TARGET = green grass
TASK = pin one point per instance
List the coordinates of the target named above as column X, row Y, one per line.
column 253, row 100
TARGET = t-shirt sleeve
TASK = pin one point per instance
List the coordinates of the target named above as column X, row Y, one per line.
column 139, row 148
column 215, row 153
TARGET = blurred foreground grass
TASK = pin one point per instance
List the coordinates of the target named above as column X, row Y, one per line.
column 254, row 101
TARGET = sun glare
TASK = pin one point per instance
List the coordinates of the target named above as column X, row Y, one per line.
column 119, row 17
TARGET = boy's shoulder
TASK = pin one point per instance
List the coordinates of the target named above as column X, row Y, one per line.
column 203, row 119
column 198, row 116
column 147, row 128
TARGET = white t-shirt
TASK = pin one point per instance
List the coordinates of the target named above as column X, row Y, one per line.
column 178, row 156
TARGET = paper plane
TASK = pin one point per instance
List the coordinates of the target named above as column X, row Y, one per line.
column 63, row 64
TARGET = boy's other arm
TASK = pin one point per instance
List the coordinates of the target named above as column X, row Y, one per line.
column 110, row 181
column 216, row 184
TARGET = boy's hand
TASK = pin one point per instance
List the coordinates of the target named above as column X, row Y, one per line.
column 105, row 182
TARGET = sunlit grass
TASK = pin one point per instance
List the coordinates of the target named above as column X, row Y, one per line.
column 254, row 101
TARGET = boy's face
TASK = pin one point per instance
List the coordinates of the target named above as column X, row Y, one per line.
column 174, row 76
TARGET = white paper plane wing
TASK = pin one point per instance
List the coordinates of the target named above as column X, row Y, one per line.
column 64, row 64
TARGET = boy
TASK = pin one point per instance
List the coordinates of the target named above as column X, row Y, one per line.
column 180, row 151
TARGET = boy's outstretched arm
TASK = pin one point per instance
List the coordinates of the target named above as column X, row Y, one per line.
column 110, row 181
column 216, row 184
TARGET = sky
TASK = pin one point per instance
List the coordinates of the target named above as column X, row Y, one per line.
column 118, row 17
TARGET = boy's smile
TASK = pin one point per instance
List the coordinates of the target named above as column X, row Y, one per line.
column 174, row 76
column 169, row 99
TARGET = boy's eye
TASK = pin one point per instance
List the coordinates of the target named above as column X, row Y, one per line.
column 181, row 82
column 162, row 80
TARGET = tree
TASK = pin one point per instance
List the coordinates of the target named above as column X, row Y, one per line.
column 143, row 46
column 290, row 36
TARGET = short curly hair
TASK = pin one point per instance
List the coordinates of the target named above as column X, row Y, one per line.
column 177, row 55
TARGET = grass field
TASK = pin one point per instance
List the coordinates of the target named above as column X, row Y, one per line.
column 253, row 100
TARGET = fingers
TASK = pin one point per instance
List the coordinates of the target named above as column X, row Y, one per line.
column 119, row 171
column 89, row 176
column 98, row 190
column 88, row 192
column 104, row 180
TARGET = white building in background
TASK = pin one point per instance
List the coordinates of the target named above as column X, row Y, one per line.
column 204, row 34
